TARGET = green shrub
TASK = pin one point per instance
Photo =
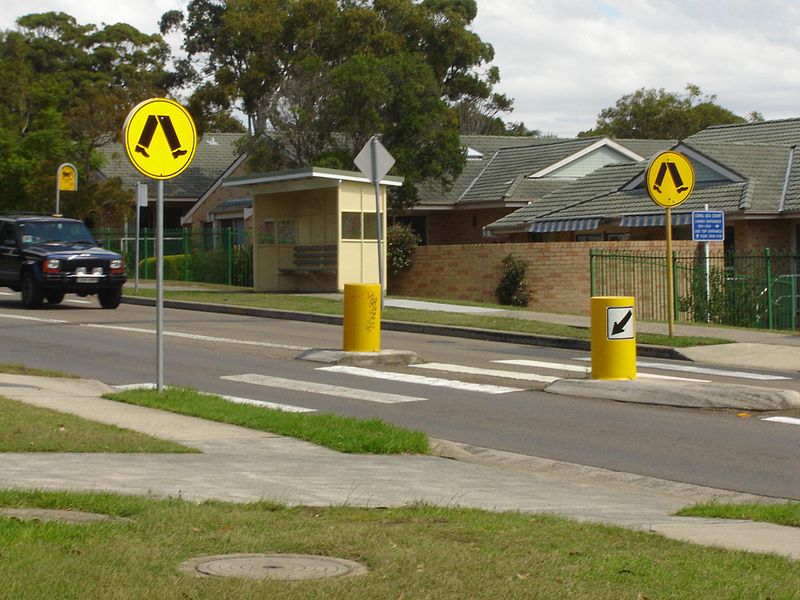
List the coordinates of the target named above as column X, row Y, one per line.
column 512, row 289
column 401, row 241
column 173, row 267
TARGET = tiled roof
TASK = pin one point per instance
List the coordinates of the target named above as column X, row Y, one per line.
column 215, row 153
column 572, row 196
column 763, row 166
column 509, row 165
column 782, row 131
column 489, row 144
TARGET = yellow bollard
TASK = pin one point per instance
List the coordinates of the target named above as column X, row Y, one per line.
column 362, row 317
column 613, row 337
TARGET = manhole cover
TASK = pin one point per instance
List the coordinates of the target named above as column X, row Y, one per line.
column 63, row 516
column 273, row 566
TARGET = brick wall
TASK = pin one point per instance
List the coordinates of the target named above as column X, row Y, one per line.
column 558, row 273
column 756, row 235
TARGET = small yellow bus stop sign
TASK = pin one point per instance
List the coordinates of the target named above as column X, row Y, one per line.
column 67, row 178
column 160, row 138
column 670, row 179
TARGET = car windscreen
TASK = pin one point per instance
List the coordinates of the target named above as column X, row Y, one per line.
column 67, row 232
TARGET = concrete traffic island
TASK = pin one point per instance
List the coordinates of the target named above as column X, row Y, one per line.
column 688, row 394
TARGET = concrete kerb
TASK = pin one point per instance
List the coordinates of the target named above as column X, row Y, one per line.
column 488, row 335
column 686, row 394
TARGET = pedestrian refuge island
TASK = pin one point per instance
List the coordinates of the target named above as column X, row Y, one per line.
column 314, row 229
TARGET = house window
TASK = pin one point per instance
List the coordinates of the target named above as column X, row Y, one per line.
column 236, row 225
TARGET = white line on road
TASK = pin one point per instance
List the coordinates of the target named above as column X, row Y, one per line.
column 265, row 404
column 487, row 372
column 233, row 399
column 789, row 420
column 421, row 380
column 25, row 318
column 193, row 336
column 586, row 370
column 705, row 370
column 76, row 301
column 321, row 388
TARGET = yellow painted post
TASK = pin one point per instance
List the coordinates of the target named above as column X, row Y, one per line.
column 613, row 337
column 362, row 317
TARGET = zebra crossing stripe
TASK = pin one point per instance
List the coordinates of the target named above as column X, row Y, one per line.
column 322, row 388
column 487, row 372
column 704, row 370
column 422, row 380
column 788, row 420
column 586, row 370
column 233, row 399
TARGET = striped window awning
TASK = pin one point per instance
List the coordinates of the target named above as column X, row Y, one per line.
column 655, row 220
column 564, row 225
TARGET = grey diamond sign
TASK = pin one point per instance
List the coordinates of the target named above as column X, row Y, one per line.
column 374, row 160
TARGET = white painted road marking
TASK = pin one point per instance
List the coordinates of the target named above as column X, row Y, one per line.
column 265, row 404
column 586, row 370
column 422, row 380
column 707, row 371
column 702, row 370
column 192, row 336
column 25, row 318
column 789, row 420
column 487, row 372
column 233, row 399
column 321, row 388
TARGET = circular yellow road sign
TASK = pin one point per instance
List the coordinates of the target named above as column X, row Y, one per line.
column 160, row 138
column 670, row 179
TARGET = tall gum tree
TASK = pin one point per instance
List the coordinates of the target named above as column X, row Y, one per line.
column 316, row 78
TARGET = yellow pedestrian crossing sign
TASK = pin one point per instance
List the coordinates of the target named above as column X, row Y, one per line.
column 160, row 138
column 670, row 179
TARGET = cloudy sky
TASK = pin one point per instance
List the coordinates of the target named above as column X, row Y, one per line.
column 564, row 60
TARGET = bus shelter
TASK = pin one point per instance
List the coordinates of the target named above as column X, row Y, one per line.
column 314, row 229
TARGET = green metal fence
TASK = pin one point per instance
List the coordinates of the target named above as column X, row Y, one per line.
column 210, row 256
column 760, row 290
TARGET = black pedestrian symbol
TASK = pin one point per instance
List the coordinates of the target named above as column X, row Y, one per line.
column 149, row 130
column 676, row 177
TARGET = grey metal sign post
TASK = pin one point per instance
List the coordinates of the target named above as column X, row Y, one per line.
column 374, row 161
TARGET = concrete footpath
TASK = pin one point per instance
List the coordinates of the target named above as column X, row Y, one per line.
column 240, row 465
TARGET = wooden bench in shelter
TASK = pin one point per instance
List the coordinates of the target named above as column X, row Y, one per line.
column 313, row 259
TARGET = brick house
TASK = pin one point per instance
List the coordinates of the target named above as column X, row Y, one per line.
column 751, row 172
column 505, row 173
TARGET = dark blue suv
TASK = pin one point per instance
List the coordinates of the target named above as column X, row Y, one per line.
column 45, row 257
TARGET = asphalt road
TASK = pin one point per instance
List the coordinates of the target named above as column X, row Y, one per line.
column 713, row 448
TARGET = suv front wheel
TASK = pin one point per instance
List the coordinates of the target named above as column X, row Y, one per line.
column 32, row 296
column 110, row 298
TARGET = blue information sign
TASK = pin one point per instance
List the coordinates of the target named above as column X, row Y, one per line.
column 708, row 226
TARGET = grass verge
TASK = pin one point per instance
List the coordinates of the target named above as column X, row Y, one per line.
column 412, row 552
column 345, row 434
column 26, row 428
column 327, row 306
column 15, row 369
column 785, row 513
